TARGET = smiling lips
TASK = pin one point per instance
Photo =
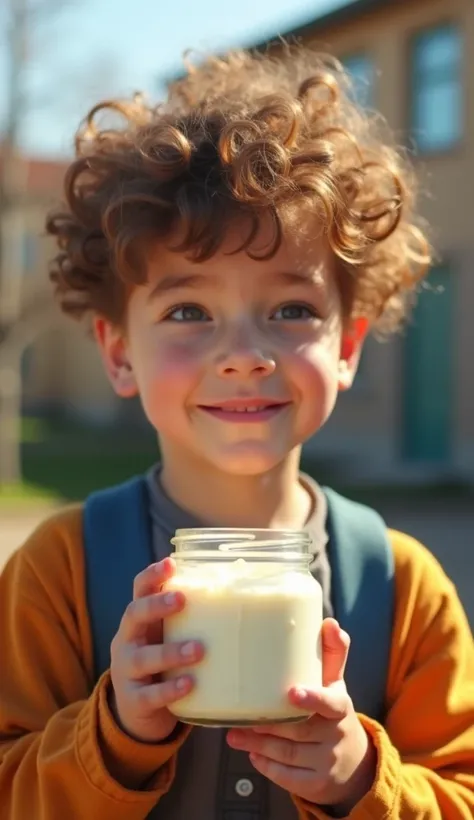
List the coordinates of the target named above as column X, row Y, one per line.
column 245, row 410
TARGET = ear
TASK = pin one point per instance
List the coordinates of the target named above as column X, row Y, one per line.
column 113, row 349
column 351, row 348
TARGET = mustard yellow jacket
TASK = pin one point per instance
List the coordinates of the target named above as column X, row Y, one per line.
column 63, row 756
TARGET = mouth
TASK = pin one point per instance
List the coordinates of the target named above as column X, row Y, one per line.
column 245, row 410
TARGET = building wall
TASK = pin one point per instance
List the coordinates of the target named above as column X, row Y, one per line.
column 62, row 369
column 67, row 376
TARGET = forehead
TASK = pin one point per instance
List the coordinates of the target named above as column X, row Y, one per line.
column 301, row 256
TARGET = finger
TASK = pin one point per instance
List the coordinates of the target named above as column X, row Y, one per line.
column 335, row 647
column 152, row 578
column 330, row 703
column 316, row 730
column 304, row 731
column 142, row 661
column 148, row 611
column 299, row 755
column 290, row 778
column 148, row 699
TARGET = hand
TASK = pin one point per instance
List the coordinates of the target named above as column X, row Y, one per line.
column 328, row 759
column 139, row 658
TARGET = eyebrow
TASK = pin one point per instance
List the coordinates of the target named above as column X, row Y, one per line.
column 176, row 281
column 297, row 278
column 312, row 278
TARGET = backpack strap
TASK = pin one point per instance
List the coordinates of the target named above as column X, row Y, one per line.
column 363, row 592
column 117, row 546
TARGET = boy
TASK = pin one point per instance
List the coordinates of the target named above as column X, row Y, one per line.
column 233, row 247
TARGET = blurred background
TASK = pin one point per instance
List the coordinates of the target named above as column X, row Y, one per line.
column 403, row 438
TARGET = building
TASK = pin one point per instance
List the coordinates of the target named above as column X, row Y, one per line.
column 411, row 410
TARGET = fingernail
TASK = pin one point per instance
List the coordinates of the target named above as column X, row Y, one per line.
column 301, row 693
column 188, row 650
column 182, row 683
column 170, row 598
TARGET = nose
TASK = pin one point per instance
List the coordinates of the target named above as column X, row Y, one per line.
column 245, row 361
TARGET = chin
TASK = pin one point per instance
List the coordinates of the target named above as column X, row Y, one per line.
column 249, row 461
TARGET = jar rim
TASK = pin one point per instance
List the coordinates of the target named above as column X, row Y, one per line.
column 192, row 533
column 250, row 543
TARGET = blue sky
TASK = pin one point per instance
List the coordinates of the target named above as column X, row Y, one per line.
column 97, row 48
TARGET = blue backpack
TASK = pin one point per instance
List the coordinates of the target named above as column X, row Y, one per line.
column 118, row 545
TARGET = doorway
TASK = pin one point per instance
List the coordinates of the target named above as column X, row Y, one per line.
column 428, row 373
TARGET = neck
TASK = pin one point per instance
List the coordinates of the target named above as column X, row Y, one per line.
column 277, row 499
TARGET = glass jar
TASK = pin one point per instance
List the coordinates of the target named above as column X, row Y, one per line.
column 253, row 603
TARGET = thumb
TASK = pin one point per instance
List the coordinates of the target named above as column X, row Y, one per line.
column 335, row 649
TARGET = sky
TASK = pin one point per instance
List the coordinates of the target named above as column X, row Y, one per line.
column 97, row 48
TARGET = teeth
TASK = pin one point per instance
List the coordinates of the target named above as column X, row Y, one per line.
column 247, row 409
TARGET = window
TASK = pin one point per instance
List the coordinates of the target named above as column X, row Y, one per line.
column 361, row 69
column 436, row 115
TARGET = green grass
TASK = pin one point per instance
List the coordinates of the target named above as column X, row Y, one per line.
column 64, row 461
column 72, row 476
column 25, row 493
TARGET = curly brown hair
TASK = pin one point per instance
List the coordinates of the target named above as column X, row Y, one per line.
column 242, row 138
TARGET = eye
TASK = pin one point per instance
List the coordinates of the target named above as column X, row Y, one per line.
column 294, row 311
column 187, row 313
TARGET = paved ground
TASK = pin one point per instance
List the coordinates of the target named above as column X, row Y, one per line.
column 446, row 527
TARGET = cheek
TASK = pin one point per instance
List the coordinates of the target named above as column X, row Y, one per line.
column 314, row 374
column 166, row 373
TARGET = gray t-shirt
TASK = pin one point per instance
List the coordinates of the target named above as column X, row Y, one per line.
column 213, row 781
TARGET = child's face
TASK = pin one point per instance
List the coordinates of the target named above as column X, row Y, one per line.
column 236, row 361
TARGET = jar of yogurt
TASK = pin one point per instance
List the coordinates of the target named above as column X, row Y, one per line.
column 253, row 603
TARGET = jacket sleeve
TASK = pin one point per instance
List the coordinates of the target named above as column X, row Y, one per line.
column 61, row 753
column 425, row 750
